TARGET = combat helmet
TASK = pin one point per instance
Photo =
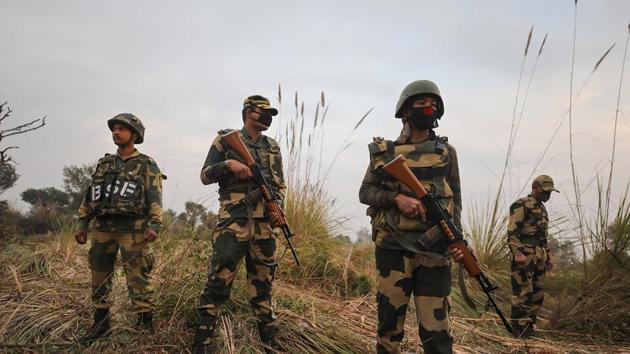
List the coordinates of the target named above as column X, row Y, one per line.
column 134, row 123
column 420, row 87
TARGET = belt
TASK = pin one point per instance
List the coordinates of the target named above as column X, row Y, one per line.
column 534, row 242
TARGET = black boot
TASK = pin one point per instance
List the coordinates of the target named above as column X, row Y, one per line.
column 145, row 322
column 529, row 330
column 204, row 341
column 101, row 328
column 267, row 333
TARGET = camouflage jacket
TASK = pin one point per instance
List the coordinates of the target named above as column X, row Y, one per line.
column 528, row 225
column 434, row 162
column 232, row 192
column 125, row 195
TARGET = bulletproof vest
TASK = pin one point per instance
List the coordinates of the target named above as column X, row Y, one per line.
column 118, row 186
column 429, row 161
column 266, row 153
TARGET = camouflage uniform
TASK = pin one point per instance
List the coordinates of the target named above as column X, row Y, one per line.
column 124, row 198
column 243, row 230
column 527, row 235
column 403, row 265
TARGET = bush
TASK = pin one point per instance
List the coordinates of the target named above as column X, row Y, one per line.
column 10, row 221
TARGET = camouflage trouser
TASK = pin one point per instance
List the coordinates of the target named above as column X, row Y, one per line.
column 527, row 286
column 233, row 240
column 137, row 261
column 399, row 274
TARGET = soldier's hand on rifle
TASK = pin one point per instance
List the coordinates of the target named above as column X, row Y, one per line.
column 457, row 254
column 239, row 169
column 81, row 237
column 410, row 207
column 274, row 218
column 150, row 235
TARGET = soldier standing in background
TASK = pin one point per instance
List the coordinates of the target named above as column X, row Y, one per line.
column 125, row 201
column 245, row 229
column 527, row 240
column 398, row 219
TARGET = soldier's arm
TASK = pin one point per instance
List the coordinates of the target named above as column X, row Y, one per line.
column 454, row 182
column 546, row 246
column 515, row 225
column 153, row 185
column 215, row 167
column 371, row 193
column 282, row 190
column 84, row 213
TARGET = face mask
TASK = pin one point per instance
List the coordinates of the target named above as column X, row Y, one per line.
column 544, row 196
column 423, row 117
column 264, row 118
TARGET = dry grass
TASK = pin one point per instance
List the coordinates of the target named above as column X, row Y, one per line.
column 45, row 306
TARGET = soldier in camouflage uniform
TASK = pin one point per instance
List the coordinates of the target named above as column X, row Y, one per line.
column 245, row 229
column 398, row 219
column 527, row 240
column 125, row 202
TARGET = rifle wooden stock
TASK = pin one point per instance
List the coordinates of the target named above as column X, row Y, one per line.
column 235, row 142
column 399, row 170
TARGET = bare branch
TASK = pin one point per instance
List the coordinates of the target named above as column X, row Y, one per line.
column 4, row 115
column 4, row 158
column 21, row 129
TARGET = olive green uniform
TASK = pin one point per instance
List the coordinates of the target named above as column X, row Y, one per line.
column 404, row 266
column 243, row 230
column 124, row 198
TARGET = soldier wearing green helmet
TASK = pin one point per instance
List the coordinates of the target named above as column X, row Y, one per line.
column 124, row 204
column 398, row 219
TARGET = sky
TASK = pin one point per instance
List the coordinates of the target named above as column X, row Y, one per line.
column 184, row 68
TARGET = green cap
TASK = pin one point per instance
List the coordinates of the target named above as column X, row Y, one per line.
column 132, row 122
column 545, row 182
column 260, row 102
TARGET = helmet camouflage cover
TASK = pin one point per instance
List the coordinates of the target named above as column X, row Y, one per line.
column 132, row 122
column 420, row 87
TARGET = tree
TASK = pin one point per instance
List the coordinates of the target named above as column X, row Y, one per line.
column 50, row 197
column 196, row 213
column 5, row 112
column 8, row 177
column 76, row 180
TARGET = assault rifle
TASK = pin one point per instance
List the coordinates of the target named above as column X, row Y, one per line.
column 399, row 170
column 234, row 141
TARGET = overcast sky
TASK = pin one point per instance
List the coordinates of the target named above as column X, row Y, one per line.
column 185, row 67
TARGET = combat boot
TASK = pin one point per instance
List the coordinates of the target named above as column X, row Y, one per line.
column 204, row 341
column 517, row 330
column 529, row 330
column 267, row 333
column 145, row 322
column 101, row 328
